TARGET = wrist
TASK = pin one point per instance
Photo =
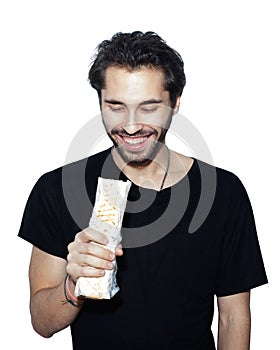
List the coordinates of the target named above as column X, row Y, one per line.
column 71, row 284
column 69, row 288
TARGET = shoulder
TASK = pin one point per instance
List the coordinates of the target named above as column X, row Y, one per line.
column 224, row 174
column 56, row 176
column 94, row 162
column 224, row 179
column 228, row 182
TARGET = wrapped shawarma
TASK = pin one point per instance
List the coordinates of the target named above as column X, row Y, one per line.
column 107, row 216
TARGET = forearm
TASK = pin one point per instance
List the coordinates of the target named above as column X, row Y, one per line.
column 234, row 333
column 50, row 312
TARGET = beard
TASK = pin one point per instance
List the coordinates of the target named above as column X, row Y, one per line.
column 140, row 159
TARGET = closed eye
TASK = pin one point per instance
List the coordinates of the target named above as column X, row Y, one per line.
column 116, row 109
column 149, row 110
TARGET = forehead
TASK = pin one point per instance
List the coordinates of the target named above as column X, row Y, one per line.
column 134, row 86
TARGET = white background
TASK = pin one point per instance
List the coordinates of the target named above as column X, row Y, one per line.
column 231, row 53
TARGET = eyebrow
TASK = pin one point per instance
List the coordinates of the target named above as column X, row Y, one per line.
column 147, row 102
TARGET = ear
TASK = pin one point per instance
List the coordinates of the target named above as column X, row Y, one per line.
column 177, row 105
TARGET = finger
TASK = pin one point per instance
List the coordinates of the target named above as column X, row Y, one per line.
column 84, row 271
column 90, row 235
column 118, row 251
column 96, row 250
column 93, row 261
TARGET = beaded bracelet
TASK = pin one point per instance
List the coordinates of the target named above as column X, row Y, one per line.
column 70, row 298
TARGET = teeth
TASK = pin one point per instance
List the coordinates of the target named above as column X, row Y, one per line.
column 134, row 141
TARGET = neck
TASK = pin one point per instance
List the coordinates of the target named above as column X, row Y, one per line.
column 149, row 174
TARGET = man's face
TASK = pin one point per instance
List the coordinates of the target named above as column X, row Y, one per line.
column 136, row 112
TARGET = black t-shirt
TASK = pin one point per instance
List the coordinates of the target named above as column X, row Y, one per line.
column 202, row 242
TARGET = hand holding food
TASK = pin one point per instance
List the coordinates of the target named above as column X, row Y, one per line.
column 107, row 216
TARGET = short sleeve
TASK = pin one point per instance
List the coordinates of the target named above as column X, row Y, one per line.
column 40, row 223
column 241, row 266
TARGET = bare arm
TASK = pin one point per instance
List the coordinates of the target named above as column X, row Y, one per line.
column 234, row 322
column 49, row 312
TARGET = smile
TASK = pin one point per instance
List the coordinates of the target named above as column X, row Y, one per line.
column 134, row 143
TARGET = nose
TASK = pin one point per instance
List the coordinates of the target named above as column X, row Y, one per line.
column 132, row 125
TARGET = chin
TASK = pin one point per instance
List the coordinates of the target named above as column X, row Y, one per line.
column 137, row 159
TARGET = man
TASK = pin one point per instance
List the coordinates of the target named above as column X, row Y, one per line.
column 167, row 283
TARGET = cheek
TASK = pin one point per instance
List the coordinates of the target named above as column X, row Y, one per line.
column 110, row 120
column 161, row 118
column 160, row 122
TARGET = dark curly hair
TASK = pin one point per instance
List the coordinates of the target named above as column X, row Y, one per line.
column 133, row 51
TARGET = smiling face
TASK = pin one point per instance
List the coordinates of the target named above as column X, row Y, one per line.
column 136, row 112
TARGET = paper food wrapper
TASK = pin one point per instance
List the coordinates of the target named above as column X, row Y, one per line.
column 107, row 216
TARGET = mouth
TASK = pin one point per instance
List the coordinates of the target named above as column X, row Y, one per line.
column 134, row 143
